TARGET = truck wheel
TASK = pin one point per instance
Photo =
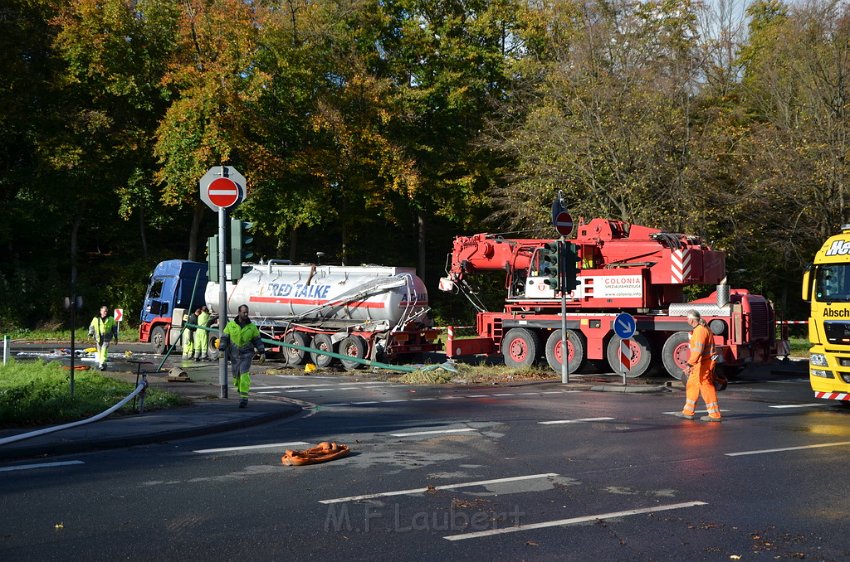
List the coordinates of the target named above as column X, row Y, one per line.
column 519, row 347
column 294, row 356
column 641, row 355
column 158, row 340
column 353, row 346
column 322, row 342
column 575, row 343
column 674, row 354
column 212, row 350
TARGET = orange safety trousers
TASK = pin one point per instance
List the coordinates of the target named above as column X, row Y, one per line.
column 701, row 381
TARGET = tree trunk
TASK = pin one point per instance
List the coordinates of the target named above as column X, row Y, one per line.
column 197, row 215
column 420, row 234
column 293, row 243
column 142, row 233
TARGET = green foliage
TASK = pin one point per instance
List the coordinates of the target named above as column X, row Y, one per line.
column 38, row 393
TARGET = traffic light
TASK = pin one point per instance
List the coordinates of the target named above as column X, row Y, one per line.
column 240, row 239
column 550, row 257
column 570, row 267
column 212, row 258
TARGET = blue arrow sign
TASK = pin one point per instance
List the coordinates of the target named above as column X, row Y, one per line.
column 624, row 325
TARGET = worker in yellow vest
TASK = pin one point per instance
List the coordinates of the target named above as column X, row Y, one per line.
column 201, row 335
column 240, row 338
column 104, row 331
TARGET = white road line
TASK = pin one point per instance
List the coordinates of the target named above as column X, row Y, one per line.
column 298, row 390
column 571, row 521
column 552, row 392
column 763, row 451
column 797, row 405
column 421, row 399
column 528, row 393
column 391, row 401
column 582, row 420
column 367, row 402
column 307, row 385
column 505, row 394
column 478, row 396
column 433, row 432
column 250, row 447
column 450, row 397
column 439, row 487
column 695, row 412
column 40, row 465
column 268, row 392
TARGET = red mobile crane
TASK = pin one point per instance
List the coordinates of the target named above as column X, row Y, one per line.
column 621, row 268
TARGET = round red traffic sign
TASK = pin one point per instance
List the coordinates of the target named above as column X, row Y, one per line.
column 223, row 192
column 564, row 223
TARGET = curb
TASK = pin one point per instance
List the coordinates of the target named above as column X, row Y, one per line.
column 85, row 445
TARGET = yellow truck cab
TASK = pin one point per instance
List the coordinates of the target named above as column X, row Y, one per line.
column 826, row 284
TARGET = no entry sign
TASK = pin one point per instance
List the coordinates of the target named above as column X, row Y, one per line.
column 223, row 192
column 564, row 223
column 222, row 187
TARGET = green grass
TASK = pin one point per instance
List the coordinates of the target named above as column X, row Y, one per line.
column 38, row 393
column 125, row 334
column 799, row 347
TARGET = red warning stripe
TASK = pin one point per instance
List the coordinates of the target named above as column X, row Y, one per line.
column 833, row 395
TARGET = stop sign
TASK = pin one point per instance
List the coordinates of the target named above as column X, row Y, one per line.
column 223, row 192
column 564, row 223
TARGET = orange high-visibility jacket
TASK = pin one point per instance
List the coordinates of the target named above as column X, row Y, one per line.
column 702, row 349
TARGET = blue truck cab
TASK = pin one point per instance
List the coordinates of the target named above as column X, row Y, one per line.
column 174, row 285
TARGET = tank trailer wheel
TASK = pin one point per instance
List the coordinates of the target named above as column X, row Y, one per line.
column 577, row 351
column 674, row 355
column 212, row 350
column 519, row 348
column 353, row 346
column 322, row 342
column 294, row 356
column 641, row 355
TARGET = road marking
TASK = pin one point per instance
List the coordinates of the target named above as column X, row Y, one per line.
column 324, row 385
column 367, row 402
column 433, row 432
column 695, row 412
column 478, row 396
column 250, row 447
column 268, row 392
column 763, row 451
column 440, row 487
column 40, row 465
column 505, row 394
column 572, row 521
column 421, row 399
column 582, row 420
column 797, row 405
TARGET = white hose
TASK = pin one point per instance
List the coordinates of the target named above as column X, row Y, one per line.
column 100, row 416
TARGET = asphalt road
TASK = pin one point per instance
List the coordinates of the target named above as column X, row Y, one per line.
column 523, row 472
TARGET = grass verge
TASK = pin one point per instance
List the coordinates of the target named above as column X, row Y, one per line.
column 38, row 393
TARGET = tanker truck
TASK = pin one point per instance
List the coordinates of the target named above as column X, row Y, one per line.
column 366, row 312
column 620, row 268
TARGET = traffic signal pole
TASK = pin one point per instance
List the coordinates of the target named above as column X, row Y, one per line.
column 222, row 301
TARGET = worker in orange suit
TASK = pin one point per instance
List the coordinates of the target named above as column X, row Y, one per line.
column 700, row 371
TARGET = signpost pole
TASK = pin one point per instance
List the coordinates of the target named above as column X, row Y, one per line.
column 565, row 350
column 222, row 300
